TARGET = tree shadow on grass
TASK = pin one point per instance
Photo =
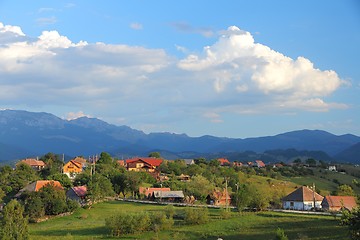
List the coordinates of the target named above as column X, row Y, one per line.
column 100, row 231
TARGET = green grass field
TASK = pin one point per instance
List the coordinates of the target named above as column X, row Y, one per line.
column 90, row 224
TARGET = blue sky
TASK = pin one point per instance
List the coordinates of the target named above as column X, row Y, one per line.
column 223, row 68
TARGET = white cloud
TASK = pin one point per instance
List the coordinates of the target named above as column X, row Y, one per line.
column 235, row 61
column 75, row 115
column 143, row 86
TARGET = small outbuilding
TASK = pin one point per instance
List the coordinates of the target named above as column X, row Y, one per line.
column 168, row 196
column 78, row 194
column 338, row 203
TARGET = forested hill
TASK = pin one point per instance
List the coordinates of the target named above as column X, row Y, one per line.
column 25, row 134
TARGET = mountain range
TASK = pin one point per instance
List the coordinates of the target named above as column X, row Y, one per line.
column 29, row 134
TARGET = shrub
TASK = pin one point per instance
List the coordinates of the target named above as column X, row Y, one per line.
column 196, row 215
column 225, row 214
column 159, row 221
column 280, row 234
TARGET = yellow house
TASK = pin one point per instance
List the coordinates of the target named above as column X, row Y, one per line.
column 72, row 168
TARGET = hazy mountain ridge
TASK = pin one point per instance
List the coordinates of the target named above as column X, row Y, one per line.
column 24, row 134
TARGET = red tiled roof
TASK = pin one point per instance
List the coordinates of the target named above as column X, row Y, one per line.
column 223, row 161
column 150, row 161
column 303, row 194
column 121, row 162
column 149, row 191
column 42, row 183
column 33, row 162
column 80, row 191
column 260, row 163
column 348, row 202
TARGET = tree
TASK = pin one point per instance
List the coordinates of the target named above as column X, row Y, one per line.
column 345, row 190
column 311, row 162
column 53, row 165
column 352, row 220
column 99, row 188
column 14, row 225
column 155, row 155
column 22, row 175
column 199, row 187
column 105, row 158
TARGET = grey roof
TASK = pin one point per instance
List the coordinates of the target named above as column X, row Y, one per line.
column 168, row 194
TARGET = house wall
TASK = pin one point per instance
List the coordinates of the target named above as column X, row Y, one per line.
column 70, row 167
column 293, row 205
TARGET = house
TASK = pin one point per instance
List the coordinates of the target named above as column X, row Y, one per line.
column 37, row 185
column 143, row 164
column 302, row 198
column 168, row 196
column 72, row 168
column 148, row 192
column 183, row 178
column 218, row 198
column 81, row 160
column 337, row 203
column 224, row 162
column 121, row 162
column 332, row 168
column 189, row 161
column 77, row 194
column 259, row 163
column 237, row 164
column 33, row 163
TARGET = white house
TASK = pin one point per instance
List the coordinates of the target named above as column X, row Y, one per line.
column 302, row 198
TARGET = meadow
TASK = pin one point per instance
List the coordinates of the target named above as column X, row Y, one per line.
column 90, row 224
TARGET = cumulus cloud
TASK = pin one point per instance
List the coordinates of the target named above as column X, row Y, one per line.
column 76, row 115
column 144, row 86
column 235, row 61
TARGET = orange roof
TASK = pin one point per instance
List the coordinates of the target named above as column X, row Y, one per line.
column 37, row 185
column 348, row 202
column 42, row 183
column 77, row 164
column 223, row 161
column 33, row 162
column 121, row 162
column 149, row 191
column 260, row 163
column 151, row 161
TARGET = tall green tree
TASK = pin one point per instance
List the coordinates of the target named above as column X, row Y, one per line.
column 105, row 158
column 14, row 225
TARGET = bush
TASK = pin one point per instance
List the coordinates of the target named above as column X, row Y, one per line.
column 280, row 235
column 129, row 223
column 125, row 223
column 159, row 221
column 225, row 214
column 196, row 215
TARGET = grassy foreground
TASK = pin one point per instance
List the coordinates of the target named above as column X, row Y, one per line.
column 90, row 224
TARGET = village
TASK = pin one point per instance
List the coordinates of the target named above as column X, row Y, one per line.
column 154, row 179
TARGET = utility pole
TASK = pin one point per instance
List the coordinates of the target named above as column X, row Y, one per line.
column 313, row 188
column 226, row 194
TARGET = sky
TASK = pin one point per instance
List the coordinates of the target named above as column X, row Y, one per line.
column 229, row 68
